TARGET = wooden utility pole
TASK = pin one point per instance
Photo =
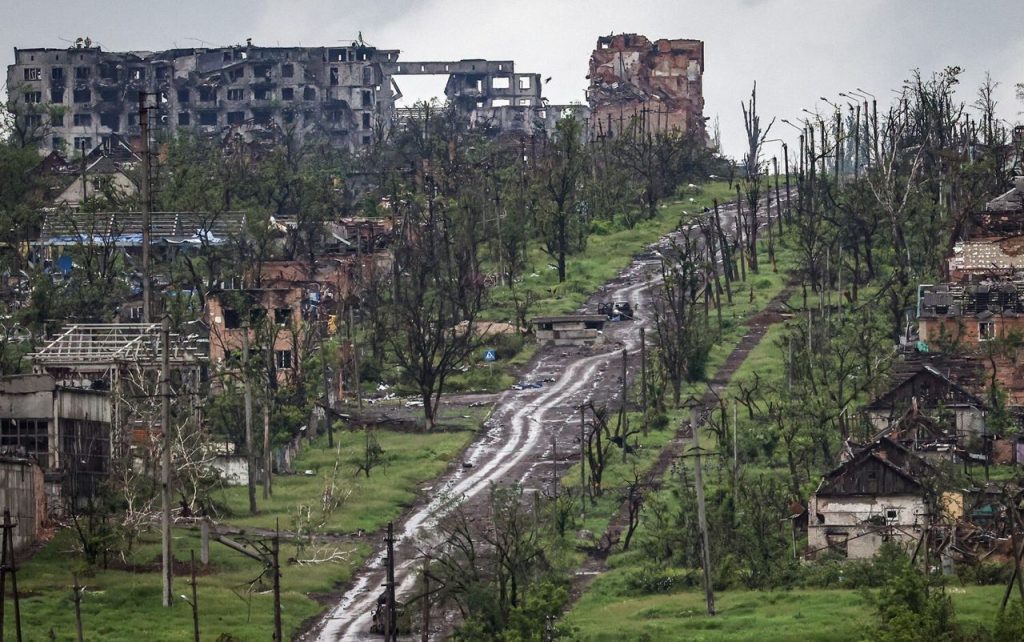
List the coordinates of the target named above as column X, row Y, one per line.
column 166, row 556
column 643, row 377
column 391, row 619
column 583, row 461
column 250, row 451
column 623, row 418
column 328, row 420
column 425, row 608
column 275, row 552
column 146, row 202
column 8, row 567
column 355, row 359
column 702, row 521
column 195, row 602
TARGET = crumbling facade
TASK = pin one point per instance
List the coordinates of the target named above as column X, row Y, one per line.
column 83, row 95
column 658, row 82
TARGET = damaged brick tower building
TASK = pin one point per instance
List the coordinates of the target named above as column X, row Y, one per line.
column 660, row 82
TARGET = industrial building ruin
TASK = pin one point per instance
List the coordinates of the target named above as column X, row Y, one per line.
column 80, row 96
column 659, row 82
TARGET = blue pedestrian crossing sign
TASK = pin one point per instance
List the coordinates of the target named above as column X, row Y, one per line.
column 490, row 355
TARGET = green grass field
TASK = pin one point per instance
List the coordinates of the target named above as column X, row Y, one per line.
column 605, row 614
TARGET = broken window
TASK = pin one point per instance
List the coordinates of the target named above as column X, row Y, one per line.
column 262, row 71
column 57, row 118
column 837, row 541
column 366, row 120
column 287, row 93
column 207, row 94
column 232, row 319
column 32, row 73
column 29, row 436
column 236, row 117
column 82, row 95
column 83, row 120
column 110, row 95
column 262, row 93
column 366, row 140
column 183, row 95
column 334, row 75
column 500, row 82
column 33, row 97
column 33, row 121
column 368, row 75
column 288, row 116
column 986, row 330
column 236, row 94
column 208, row 118
column 83, row 143
column 162, row 72
column 256, row 316
column 309, row 93
column 82, row 73
column 282, row 316
column 524, row 102
column 287, row 71
column 57, row 73
column 283, row 359
column 236, row 74
column 110, row 121
column 367, row 98
column 137, row 73
column 262, row 116
column 184, row 118
column 56, row 95
column 334, row 116
column 57, row 144
column 524, row 82
column 227, row 56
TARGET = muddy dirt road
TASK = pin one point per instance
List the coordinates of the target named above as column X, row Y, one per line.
column 529, row 439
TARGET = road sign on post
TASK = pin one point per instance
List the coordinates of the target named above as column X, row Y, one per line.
column 490, row 354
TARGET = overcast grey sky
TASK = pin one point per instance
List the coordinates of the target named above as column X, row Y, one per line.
column 796, row 50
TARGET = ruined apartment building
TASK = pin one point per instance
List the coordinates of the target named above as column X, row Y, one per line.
column 659, row 82
column 340, row 93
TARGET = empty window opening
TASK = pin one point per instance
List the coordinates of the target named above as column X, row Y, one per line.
column 367, row 99
column 56, row 95
column 309, row 93
column 110, row 95
column 82, row 95
column 183, row 95
column 287, row 71
column 83, row 143
column 236, row 117
column 138, row 73
column 208, row 118
column 262, row 93
column 207, row 94
column 262, row 71
column 524, row 82
column 82, row 73
column 287, row 93
column 57, row 73
column 236, row 74
column 57, row 144
column 501, row 102
column 524, row 102
column 32, row 73
column 282, row 316
column 262, row 117
column 184, row 118
column 366, row 120
column 334, row 75
column 57, row 119
column 500, row 82
column 236, row 94
column 232, row 319
column 33, row 97
column 83, row 120
column 111, row 121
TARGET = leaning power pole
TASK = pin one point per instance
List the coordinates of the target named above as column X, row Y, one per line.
column 165, row 468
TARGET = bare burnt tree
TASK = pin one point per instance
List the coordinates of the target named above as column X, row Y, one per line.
column 752, row 164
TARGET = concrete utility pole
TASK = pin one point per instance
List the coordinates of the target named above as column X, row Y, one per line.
column 268, row 456
column 146, row 198
column 391, row 619
column 167, row 558
column 702, row 520
column 250, row 451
